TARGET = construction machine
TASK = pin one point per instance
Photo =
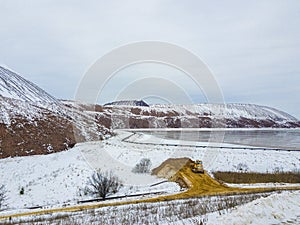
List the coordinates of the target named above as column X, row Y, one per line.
column 197, row 166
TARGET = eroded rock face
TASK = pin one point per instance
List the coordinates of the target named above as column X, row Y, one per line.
column 197, row 116
column 28, row 129
column 45, row 136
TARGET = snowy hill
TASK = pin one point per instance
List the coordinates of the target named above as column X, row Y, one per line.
column 33, row 122
column 14, row 86
column 28, row 129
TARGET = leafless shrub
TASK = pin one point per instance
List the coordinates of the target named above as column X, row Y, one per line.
column 278, row 170
column 2, row 195
column 143, row 166
column 103, row 184
column 242, row 167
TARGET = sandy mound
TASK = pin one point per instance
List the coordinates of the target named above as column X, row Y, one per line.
column 170, row 169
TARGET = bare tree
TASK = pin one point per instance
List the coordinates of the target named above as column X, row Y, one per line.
column 103, row 184
column 2, row 195
column 242, row 167
column 143, row 166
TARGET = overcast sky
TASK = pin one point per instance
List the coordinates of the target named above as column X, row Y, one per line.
column 252, row 47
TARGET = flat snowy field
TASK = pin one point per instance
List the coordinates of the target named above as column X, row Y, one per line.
column 59, row 178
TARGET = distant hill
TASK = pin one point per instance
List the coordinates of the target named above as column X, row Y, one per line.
column 201, row 116
column 127, row 103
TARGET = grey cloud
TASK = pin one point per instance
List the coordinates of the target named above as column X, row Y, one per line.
column 252, row 47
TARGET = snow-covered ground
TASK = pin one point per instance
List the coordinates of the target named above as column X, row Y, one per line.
column 59, row 178
column 281, row 208
column 278, row 208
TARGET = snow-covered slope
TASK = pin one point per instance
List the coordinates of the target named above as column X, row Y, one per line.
column 228, row 111
column 200, row 115
column 34, row 122
column 275, row 209
column 28, row 129
column 14, row 86
column 61, row 177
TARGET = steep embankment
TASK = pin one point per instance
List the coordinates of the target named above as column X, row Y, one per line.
column 16, row 87
column 34, row 122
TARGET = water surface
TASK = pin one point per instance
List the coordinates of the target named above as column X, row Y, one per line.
column 275, row 138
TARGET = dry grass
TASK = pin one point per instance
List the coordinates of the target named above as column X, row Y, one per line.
column 251, row 177
column 144, row 213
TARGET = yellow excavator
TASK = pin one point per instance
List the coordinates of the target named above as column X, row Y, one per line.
column 197, row 166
